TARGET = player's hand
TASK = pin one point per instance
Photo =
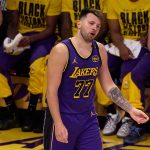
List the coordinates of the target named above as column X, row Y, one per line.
column 61, row 133
column 125, row 53
column 25, row 41
column 138, row 115
column 143, row 41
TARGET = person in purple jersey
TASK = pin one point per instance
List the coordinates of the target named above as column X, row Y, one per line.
column 73, row 66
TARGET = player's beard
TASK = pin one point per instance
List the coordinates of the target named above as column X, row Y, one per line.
column 87, row 37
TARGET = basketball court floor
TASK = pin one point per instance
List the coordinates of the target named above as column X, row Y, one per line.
column 15, row 139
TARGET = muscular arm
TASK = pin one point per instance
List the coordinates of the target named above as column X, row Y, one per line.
column 66, row 25
column 117, row 97
column 117, row 38
column 114, row 93
column 115, row 32
column 13, row 28
column 56, row 63
column 104, row 29
column 49, row 31
column 108, row 85
column 13, row 23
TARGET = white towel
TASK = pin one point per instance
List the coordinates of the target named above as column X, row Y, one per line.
column 10, row 45
column 134, row 46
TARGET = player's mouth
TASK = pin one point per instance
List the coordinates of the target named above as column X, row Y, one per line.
column 92, row 34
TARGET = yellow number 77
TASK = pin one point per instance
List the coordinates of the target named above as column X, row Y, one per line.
column 85, row 85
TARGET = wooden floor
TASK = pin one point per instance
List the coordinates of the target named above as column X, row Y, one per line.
column 15, row 139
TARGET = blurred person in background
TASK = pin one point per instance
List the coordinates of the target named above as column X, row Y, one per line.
column 128, row 23
column 36, row 21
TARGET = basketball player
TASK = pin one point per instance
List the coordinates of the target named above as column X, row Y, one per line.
column 73, row 66
column 69, row 15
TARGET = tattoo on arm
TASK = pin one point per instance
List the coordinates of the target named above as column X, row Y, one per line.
column 117, row 97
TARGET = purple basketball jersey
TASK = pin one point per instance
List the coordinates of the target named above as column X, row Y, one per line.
column 77, row 89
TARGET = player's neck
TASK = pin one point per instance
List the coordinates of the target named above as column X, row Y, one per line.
column 83, row 48
column 79, row 40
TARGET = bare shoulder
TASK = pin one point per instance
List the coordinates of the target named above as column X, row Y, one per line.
column 59, row 54
column 60, row 48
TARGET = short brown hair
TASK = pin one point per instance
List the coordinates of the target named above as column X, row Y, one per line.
column 95, row 12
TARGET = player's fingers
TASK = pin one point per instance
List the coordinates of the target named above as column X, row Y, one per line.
column 60, row 138
column 144, row 116
column 65, row 136
column 142, row 120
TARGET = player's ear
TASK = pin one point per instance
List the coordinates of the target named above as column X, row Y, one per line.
column 78, row 24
